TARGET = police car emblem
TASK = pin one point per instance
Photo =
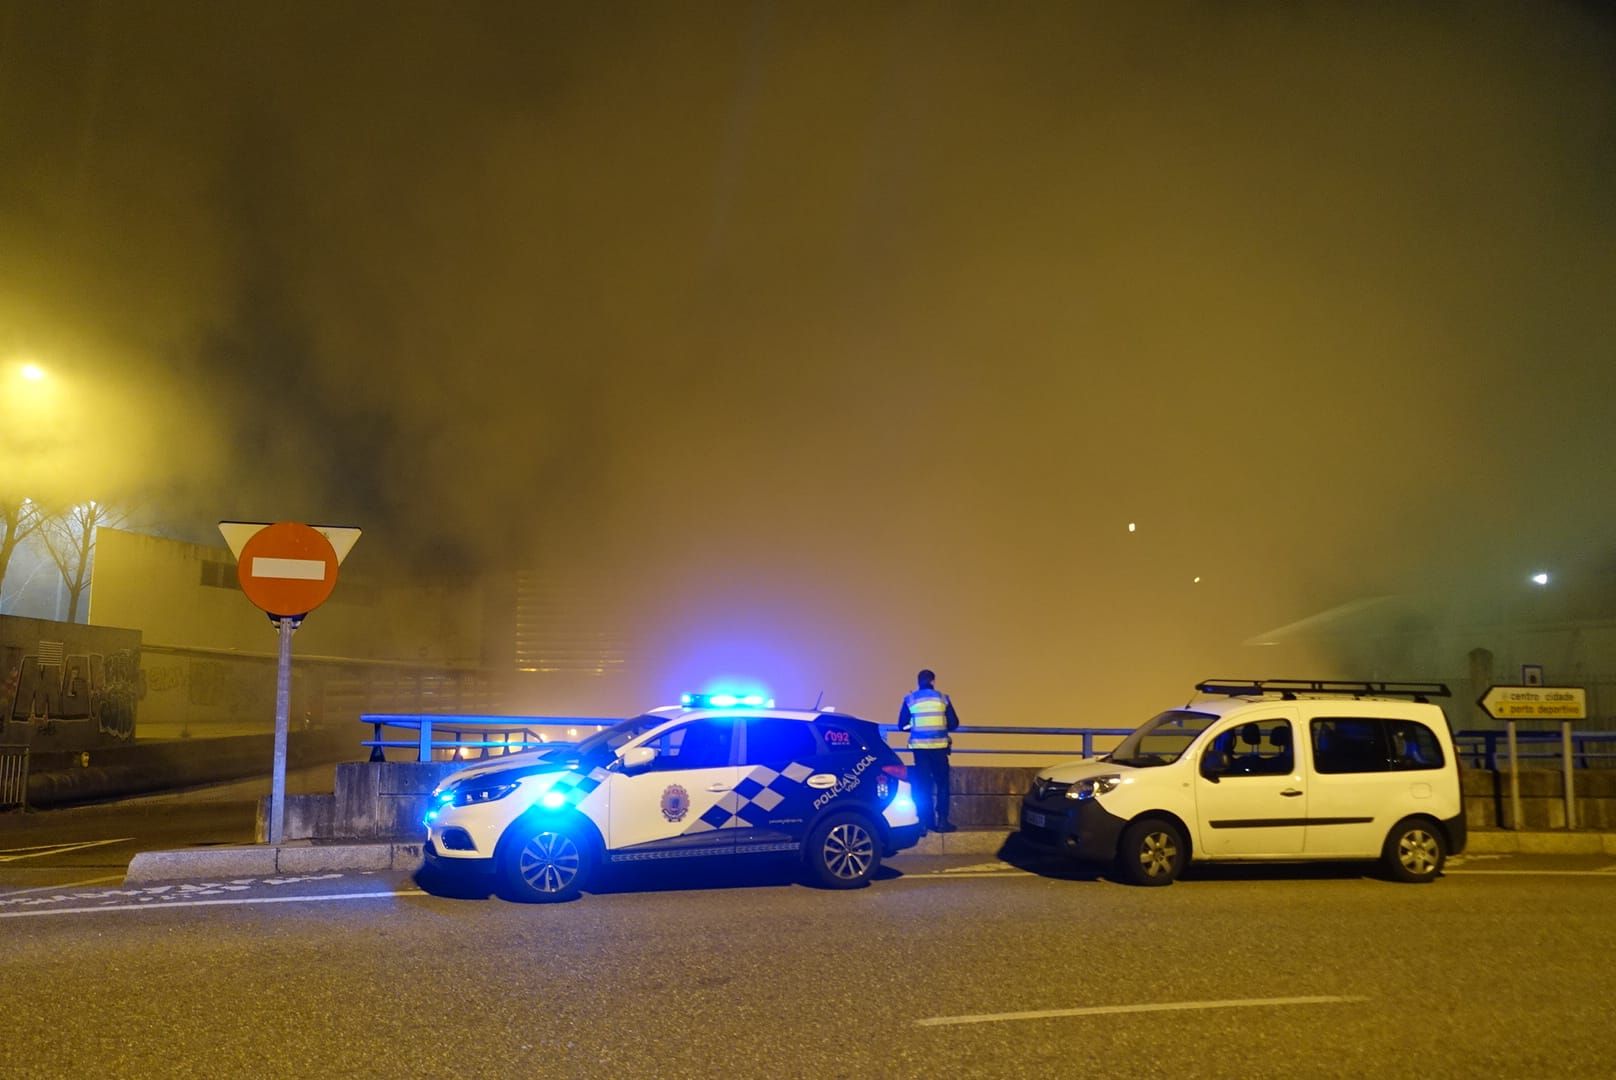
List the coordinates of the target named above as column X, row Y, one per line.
column 675, row 802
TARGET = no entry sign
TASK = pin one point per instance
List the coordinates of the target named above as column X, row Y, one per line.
column 287, row 569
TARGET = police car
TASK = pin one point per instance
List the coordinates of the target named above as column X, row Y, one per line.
column 717, row 776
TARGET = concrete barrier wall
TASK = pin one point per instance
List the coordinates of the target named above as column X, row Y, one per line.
column 142, row 768
column 387, row 800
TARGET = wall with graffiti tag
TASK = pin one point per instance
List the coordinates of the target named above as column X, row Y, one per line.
column 67, row 686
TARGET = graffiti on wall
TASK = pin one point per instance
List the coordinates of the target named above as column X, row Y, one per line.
column 47, row 686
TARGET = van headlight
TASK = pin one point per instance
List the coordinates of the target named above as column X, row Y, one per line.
column 1095, row 785
column 472, row 794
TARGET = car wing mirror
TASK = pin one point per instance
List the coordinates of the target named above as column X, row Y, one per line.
column 636, row 758
column 1214, row 763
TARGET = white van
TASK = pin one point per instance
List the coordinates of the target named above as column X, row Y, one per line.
column 1270, row 770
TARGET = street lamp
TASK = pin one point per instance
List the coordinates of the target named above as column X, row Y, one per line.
column 1540, row 578
column 33, row 372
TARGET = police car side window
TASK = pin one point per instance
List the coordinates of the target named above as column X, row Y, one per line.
column 772, row 741
column 701, row 744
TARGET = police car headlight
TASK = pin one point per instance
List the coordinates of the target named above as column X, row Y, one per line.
column 472, row 794
column 1097, row 785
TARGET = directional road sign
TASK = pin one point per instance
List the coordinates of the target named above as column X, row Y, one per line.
column 1535, row 702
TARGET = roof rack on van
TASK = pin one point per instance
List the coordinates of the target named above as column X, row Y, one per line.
column 1289, row 688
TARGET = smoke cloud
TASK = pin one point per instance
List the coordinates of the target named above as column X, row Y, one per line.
column 842, row 340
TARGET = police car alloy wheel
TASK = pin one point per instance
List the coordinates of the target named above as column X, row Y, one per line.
column 843, row 852
column 1414, row 851
column 1152, row 852
column 552, row 864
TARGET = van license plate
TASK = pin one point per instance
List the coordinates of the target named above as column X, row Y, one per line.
column 1035, row 819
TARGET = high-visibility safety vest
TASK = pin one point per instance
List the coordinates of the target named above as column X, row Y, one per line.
column 928, row 720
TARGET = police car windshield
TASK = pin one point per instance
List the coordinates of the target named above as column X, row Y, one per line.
column 1161, row 740
column 600, row 745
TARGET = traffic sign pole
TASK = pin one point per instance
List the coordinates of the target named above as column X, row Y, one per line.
column 1514, row 777
column 287, row 569
column 283, row 713
column 1570, row 784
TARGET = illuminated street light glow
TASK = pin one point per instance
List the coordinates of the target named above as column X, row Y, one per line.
column 1540, row 578
column 1130, row 526
column 33, row 373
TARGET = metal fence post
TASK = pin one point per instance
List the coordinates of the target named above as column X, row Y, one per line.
column 425, row 753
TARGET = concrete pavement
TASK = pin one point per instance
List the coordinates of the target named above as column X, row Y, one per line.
column 303, row 857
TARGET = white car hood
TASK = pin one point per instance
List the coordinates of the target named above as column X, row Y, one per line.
column 507, row 761
column 1067, row 772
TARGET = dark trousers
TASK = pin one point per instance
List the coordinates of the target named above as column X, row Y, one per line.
column 930, row 780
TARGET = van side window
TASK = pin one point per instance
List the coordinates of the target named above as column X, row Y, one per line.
column 1256, row 748
column 1414, row 746
column 1349, row 745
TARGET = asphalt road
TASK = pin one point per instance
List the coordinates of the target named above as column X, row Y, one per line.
column 949, row 966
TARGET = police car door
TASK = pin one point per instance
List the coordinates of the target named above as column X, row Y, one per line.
column 773, row 799
column 677, row 804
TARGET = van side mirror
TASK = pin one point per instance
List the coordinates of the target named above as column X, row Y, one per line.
column 638, row 758
column 1214, row 763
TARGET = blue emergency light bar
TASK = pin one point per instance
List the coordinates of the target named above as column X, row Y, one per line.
column 725, row 701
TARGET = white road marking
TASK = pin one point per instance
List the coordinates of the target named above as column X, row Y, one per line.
column 974, row 875
column 214, row 903
column 64, row 885
column 56, row 849
column 1114, row 1010
column 1533, row 873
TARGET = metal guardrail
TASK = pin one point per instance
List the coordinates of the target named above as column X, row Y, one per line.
column 436, row 737
column 1084, row 740
column 13, row 776
column 1589, row 749
column 457, row 736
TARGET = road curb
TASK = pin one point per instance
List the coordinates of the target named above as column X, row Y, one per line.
column 1480, row 842
column 268, row 860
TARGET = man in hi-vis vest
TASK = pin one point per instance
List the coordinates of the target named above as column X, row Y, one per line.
column 929, row 716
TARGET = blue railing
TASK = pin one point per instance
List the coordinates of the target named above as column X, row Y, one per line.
column 1481, row 749
column 1077, row 741
column 458, row 736
column 432, row 736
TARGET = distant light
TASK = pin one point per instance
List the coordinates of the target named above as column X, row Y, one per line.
column 1196, row 580
column 1540, row 578
column 33, row 373
column 1130, row 526
column 572, row 733
column 553, row 800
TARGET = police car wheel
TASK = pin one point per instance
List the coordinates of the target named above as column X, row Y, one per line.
column 1152, row 852
column 551, row 865
column 843, row 852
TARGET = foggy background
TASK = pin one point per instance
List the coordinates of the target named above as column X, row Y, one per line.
column 826, row 342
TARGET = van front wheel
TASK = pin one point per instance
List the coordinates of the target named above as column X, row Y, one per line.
column 1152, row 852
column 1414, row 851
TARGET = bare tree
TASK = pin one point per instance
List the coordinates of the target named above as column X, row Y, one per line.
column 20, row 518
column 70, row 539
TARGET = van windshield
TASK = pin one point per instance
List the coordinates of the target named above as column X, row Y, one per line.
column 1161, row 740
